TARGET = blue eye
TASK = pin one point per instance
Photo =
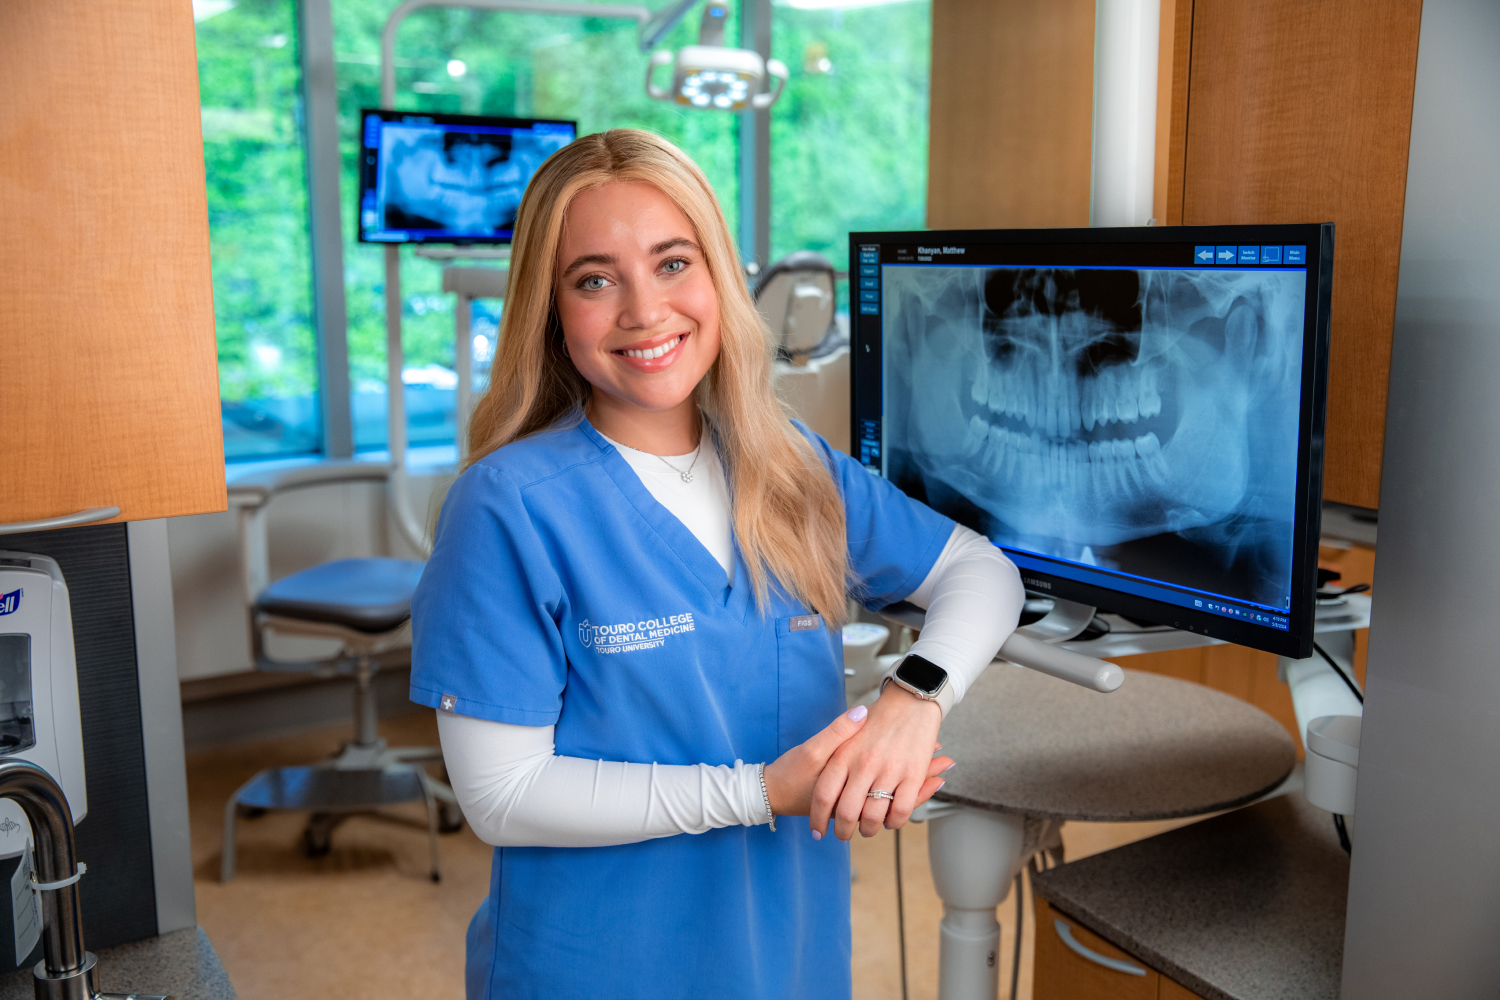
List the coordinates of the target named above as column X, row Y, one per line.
column 674, row 266
column 593, row 283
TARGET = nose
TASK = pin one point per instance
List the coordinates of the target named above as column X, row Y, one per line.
column 644, row 306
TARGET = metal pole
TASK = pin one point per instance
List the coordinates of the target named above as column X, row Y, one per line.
column 321, row 137
column 755, row 146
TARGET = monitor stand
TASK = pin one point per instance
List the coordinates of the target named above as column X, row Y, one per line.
column 1063, row 622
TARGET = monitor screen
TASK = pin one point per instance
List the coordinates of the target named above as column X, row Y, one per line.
column 430, row 178
column 1134, row 415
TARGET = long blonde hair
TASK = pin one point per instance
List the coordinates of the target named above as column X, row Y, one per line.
column 788, row 516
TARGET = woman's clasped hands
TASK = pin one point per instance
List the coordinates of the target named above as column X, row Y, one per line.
column 889, row 748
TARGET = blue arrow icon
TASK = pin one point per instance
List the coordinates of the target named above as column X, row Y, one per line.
column 1228, row 255
column 1204, row 254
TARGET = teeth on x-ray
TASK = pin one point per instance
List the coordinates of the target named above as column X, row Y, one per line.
column 1086, row 408
column 467, row 182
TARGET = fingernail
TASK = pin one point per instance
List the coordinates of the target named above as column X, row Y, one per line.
column 858, row 713
column 817, row 835
column 939, row 788
column 949, row 768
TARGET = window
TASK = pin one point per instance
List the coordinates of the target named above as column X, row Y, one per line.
column 849, row 136
column 849, row 151
column 464, row 61
column 248, row 78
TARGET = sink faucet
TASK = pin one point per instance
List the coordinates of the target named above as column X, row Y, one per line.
column 66, row 971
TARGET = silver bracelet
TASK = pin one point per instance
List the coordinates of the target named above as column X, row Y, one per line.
column 767, row 796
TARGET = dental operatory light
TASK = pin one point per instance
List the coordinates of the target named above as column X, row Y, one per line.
column 715, row 77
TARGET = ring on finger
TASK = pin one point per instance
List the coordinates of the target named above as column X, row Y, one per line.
column 876, row 793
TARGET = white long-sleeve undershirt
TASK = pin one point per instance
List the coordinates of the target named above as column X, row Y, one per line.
column 516, row 791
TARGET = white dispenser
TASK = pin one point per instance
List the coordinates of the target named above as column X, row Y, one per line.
column 39, row 717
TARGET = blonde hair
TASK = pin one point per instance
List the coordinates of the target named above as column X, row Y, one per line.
column 788, row 516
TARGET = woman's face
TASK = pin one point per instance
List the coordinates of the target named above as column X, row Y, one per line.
column 638, row 309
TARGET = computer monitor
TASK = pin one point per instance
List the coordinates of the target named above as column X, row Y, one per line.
column 430, row 178
column 1134, row 415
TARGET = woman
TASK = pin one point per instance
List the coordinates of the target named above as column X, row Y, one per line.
column 635, row 589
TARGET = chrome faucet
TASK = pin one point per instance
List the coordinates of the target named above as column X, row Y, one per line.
column 66, row 971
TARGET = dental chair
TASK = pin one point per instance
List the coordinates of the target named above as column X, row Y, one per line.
column 364, row 604
column 795, row 295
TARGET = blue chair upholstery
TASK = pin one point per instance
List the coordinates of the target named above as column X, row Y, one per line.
column 368, row 595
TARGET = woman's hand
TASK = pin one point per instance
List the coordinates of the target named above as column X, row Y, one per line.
column 892, row 752
column 790, row 778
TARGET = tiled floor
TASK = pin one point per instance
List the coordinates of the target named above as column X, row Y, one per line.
column 367, row 920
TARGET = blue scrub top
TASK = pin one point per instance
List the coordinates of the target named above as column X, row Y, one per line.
column 561, row 593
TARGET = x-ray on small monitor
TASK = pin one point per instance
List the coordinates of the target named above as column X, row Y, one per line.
column 431, row 178
column 1134, row 415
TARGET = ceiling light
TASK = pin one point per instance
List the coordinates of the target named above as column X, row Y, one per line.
column 713, row 75
column 457, row 68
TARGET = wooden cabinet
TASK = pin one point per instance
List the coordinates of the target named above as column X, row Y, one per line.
column 108, row 366
column 1298, row 111
column 1268, row 112
column 1062, row 973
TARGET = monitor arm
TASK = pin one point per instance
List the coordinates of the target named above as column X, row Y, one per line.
column 1032, row 645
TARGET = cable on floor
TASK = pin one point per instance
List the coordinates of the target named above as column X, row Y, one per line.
column 1338, row 824
column 1015, row 957
column 1339, row 670
column 900, row 915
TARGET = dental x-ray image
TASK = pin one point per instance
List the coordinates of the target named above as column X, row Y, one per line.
column 1140, row 420
column 460, row 182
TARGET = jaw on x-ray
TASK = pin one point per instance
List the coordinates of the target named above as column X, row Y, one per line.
column 1137, row 419
column 465, row 182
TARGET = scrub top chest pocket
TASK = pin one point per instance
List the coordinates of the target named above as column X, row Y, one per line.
column 810, row 679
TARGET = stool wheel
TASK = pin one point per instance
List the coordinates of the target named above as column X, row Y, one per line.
column 251, row 812
column 450, row 818
column 317, row 837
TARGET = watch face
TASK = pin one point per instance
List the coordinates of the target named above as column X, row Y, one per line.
column 922, row 674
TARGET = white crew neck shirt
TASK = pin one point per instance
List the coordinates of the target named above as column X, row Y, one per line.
column 701, row 505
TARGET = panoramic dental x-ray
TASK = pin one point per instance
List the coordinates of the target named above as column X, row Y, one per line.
column 458, row 181
column 1138, row 419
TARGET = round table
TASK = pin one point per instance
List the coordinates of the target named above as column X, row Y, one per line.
column 1033, row 751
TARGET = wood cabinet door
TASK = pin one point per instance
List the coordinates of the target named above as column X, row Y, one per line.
column 108, row 364
column 1173, row 990
column 1064, row 974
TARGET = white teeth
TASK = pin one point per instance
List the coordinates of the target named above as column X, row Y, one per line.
column 1148, row 446
column 999, row 399
column 974, row 438
column 1104, row 411
column 980, row 390
column 1088, row 389
column 1150, row 398
column 655, row 352
column 1129, row 406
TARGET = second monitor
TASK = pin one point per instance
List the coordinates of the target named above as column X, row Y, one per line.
column 431, row 178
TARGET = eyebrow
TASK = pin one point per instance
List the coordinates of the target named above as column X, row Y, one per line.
column 590, row 258
column 681, row 241
column 608, row 259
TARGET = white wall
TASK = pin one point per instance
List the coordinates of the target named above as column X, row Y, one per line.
column 306, row 527
column 1424, row 892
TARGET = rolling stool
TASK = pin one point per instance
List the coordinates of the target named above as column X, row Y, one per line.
column 365, row 604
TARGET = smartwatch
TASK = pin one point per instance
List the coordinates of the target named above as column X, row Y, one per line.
column 921, row 677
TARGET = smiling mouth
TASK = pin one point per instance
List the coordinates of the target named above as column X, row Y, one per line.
column 650, row 353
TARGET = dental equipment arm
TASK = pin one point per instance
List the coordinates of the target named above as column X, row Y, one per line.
column 972, row 599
